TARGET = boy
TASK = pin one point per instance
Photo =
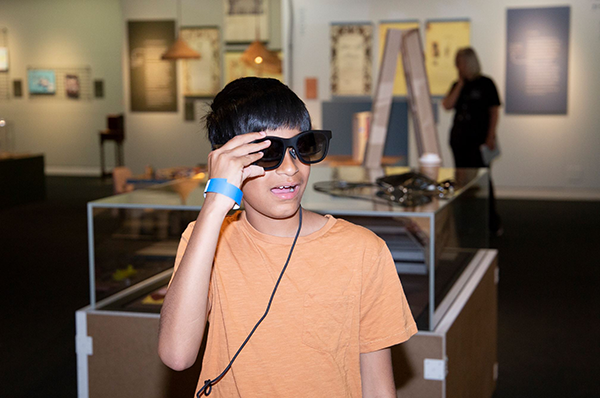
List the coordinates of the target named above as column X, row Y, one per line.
column 339, row 305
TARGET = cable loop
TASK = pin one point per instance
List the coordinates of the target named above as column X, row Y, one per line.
column 206, row 388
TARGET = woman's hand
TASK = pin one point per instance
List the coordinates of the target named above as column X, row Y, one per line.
column 233, row 161
column 490, row 141
column 450, row 100
column 491, row 137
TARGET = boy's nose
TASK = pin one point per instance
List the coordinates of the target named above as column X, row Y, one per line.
column 288, row 166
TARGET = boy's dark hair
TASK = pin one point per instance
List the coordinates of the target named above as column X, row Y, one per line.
column 253, row 104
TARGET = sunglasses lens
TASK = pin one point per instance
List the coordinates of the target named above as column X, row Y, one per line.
column 312, row 147
column 272, row 155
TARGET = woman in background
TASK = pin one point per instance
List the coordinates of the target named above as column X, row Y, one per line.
column 476, row 103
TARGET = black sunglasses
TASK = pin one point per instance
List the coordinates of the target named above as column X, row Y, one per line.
column 310, row 146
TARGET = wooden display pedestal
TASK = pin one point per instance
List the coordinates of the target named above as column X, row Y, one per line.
column 117, row 351
column 124, row 361
column 459, row 358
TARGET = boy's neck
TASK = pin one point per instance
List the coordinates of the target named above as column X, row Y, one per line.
column 286, row 227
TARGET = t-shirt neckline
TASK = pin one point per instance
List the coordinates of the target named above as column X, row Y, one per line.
column 246, row 226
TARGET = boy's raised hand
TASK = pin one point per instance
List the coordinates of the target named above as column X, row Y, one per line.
column 233, row 161
column 184, row 311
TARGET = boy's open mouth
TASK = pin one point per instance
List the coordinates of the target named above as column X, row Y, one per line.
column 284, row 188
column 285, row 191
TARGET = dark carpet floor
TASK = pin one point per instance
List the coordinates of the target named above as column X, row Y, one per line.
column 549, row 309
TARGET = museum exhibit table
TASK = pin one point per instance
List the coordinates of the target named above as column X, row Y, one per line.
column 438, row 247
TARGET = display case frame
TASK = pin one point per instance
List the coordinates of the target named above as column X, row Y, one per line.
column 116, row 342
column 440, row 219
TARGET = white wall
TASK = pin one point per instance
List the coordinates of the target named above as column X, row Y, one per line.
column 165, row 139
column 543, row 156
column 67, row 33
column 63, row 33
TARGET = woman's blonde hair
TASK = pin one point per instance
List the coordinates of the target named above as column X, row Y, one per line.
column 471, row 61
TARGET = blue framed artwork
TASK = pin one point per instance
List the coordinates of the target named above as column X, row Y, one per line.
column 41, row 81
column 537, row 60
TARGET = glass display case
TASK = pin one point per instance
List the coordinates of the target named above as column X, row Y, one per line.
column 133, row 237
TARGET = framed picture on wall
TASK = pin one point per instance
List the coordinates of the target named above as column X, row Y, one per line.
column 3, row 59
column 399, row 79
column 72, row 86
column 17, row 88
column 153, row 81
column 246, row 20
column 234, row 68
column 99, row 88
column 351, row 55
column 537, row 60
column 202, row 77
column 443, row 38
column 41, row 81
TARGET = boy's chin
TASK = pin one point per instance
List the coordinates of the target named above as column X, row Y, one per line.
column 280, row 212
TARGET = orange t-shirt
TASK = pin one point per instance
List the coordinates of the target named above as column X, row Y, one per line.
column 340, row 296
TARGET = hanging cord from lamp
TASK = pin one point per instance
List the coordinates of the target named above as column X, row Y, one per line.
column 290, row 53
column 207, row 387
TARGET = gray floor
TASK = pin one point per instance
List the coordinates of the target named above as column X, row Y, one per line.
column 549, row 309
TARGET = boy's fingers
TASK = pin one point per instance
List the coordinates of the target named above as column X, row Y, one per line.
column 227, row 163
column 242, row 160
column 252, row 171
column 242, row 139
column 250, row 148
column 251, row 158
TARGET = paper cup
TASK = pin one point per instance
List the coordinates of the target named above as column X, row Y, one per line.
column 429, row 165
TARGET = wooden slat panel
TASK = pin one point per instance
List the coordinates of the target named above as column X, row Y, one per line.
column 125, row 362
column 408, row 359
column 471, row 343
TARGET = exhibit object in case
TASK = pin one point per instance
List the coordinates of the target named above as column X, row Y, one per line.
column 133, row 240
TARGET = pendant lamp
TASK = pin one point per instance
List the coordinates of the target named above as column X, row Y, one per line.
column 257, row 56
column 180, row 49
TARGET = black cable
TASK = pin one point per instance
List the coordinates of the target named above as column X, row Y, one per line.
column 207, row 387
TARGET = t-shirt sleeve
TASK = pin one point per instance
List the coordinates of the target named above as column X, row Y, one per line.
column 493, row 99
column 386, row 319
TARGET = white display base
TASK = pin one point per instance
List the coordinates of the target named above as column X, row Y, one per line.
column 117, row 351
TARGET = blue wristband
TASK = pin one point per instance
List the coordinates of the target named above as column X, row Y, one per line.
column 220, row 185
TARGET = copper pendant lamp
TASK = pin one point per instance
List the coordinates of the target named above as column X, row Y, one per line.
column 259, row 57
column 180, row 49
